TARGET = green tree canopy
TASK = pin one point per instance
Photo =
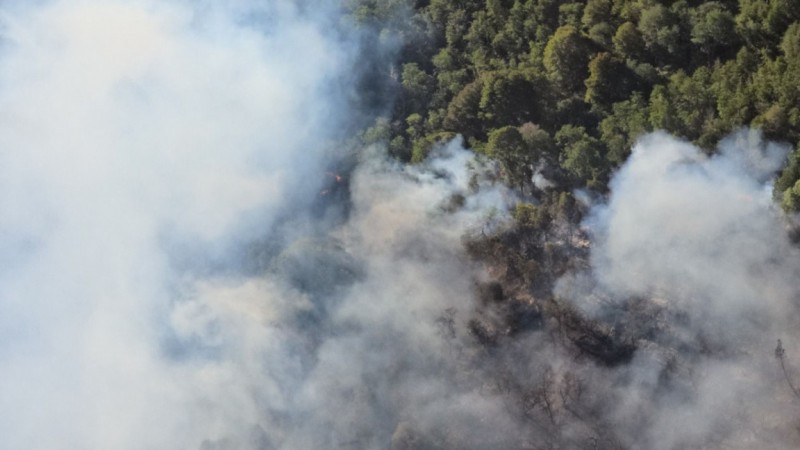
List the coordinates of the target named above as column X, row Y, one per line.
column 566, row 59
column 507, row 146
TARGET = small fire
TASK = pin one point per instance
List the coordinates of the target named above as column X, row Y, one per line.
column 336, row 177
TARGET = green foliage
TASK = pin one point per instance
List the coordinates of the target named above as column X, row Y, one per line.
column 419, row 86
column 733, row 88
column 790, row 43
column 596, row 12
column 528, row 215
column 751, row 22
column 511, row 97
column 788, row 178
column 508, row 146
column 661, row 31
column 462, row 112
column 581, row 155
column 570, row 14
column 602, row 34
column 628, row 41
column 398, row 147
column 565, row 58
column 592, row 75
column 538, row 140
column 609, row 81
column 623, row 126
column 762, row 22
column 791, row 198
column 376, row 11
column 662, row 111
column 415, row 126
column 713, row 29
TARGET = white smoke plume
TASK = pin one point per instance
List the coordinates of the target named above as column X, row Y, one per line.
column 140, row 141
column 700, row 237
column 165, row 285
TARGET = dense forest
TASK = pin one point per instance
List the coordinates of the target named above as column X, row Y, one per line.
column 567, row 87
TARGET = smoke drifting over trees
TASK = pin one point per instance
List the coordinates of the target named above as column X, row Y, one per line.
column 700, row 239
column 196, row 253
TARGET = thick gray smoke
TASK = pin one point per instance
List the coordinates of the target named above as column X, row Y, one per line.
column 140, row 140
column 700, row 240
column 183, row 267
column 165, row 284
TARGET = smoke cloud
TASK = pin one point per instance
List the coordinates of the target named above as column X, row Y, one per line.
column 176, row 273
column 190, row 259
column 143, row 145
column 700, row 240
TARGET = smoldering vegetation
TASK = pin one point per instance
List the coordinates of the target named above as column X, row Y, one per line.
column 193, row 257
column 423, row 325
